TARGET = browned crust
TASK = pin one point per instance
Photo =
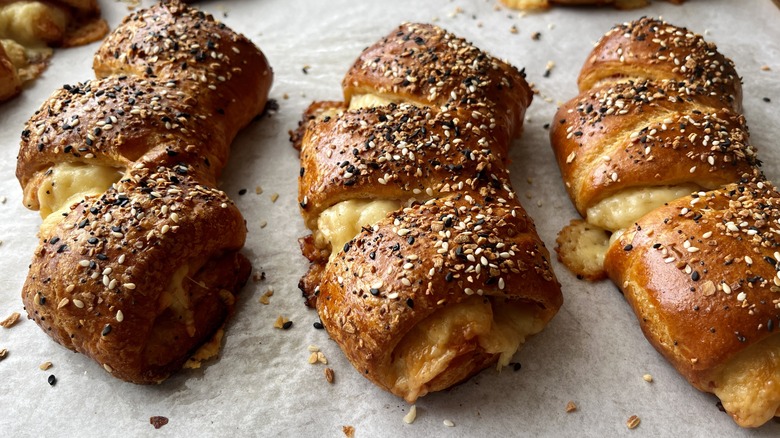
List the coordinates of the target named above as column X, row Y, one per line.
column 369, row 324
column 653, row 134
column 678, row 295
column 652, row 49
column 441, row 149
column 98, row 279
column 424, row 65
column 85, row 236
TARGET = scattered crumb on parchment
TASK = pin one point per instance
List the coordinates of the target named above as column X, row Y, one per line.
column 10, row 321
column 571, row 406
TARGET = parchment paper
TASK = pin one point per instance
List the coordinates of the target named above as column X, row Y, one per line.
column 592, row 353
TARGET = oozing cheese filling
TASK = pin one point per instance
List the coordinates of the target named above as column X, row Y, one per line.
column 749, row 384
column 368, row 101
column 427, row 351
column 342, row 222
column 626, row 207
column 177, row 299
column 27, row 22
column 69, row 183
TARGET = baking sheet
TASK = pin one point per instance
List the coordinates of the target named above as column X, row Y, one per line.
column 592, row 353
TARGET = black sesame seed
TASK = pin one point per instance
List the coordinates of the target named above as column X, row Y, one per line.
column 448, row 277
column 54, row 240
column 517, row 366
column 628, row 247
column 318, row 325
column 242, row 192
column 374, row 291
column 287, row 325
column 52, row 380
column 106, row 330
column 695, row 276
column 410, row 303
column 770, row 325
column 766, row 99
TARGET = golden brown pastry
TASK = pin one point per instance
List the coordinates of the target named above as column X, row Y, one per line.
column 701, row 273
column 655, row 151
column 425, row 267
column 139, row 258
column 658, row 117
column 544, row 4
column 28, row 30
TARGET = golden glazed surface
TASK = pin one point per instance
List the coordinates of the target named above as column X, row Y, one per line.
column 425, row 268
column 139, row 257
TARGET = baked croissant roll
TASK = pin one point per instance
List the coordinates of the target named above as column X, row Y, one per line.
column 655, row 152
column 425, row 267
column 701, row 273
column 139, row 258
column 29, row 28
column 658, row 117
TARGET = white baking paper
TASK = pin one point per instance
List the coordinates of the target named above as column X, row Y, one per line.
column 592, row 353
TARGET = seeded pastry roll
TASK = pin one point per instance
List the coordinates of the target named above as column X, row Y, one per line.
column 425, row 267
column 139, row 260
column 656, row 153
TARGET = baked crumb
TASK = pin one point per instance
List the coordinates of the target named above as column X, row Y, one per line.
column 44, row 366
column 158, row 421
column 571, row 406
column 648, row 378
column 329, row 374
column 10, row 321
column 274, row 197
column 3, row 353
column 281, row 321
column 632, row 422
column 349, row 431
column 266, row 298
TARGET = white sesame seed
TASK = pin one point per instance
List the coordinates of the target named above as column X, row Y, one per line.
column 130, row 286
column 741, row 296
column 84, row 263
column 405, row 281
column 78, row 303
column 120, row 316
column 748, row 260
column 392, row 295
column 449, row 423
column 693, row 249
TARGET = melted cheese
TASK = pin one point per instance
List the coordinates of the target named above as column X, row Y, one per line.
column 342, row 222
column 29, row 23
column 626, row 207
column 428, row 350
column 368, row 101
column 749, row 384
column 69, row 183
column 206, row 351
column 177, row 299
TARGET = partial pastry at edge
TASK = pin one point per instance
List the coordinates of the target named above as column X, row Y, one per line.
column 656, row 152
column 425, row 267
column 28, row 30
column 544, row 4
column 139, row 258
